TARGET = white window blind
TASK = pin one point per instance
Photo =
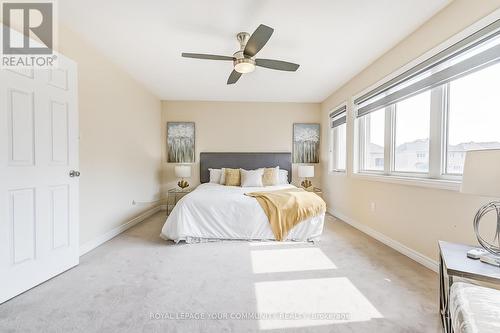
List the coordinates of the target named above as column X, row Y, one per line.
column 338, row 148
column 474, row 53
column 338, row 116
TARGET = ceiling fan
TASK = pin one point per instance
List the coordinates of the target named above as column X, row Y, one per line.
column 244, row 60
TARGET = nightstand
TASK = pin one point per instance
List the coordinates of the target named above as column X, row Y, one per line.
column 316, row 190
column 174, row 195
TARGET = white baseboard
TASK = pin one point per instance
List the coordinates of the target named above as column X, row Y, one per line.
column 403, row 249
column 92, row 244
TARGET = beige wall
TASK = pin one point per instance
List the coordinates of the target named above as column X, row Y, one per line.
column 119, row 140
column 416, row 217
column 237, row 127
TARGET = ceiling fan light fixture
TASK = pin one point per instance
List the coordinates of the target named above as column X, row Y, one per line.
column 244, row 65
column 244, row 60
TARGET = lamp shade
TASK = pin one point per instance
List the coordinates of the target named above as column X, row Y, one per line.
column 482, row 173
column 183, row 171
column 306, row 171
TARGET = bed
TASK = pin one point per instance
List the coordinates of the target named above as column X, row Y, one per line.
column 218, row 212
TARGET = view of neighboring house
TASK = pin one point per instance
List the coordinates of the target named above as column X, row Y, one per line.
column 414, row 155
column 456, row 154
column 375, row 157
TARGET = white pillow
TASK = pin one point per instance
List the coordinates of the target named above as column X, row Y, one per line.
column 283, row 177
column 251, row 177
column 223, row 176
column 215, row 175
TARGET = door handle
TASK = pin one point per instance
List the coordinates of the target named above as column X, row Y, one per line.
column 74, row 173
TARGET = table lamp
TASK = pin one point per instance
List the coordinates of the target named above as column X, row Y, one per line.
column 306, row 171
column 481, row 176
column 183, row 171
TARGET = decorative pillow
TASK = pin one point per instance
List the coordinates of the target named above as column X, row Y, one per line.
column 251, row 177
column 223, row 176
column 271, row 176
column 283, row 177
column 215, row 175
column 232, row 177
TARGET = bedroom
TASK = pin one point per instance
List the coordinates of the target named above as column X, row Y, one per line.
column 98, row 233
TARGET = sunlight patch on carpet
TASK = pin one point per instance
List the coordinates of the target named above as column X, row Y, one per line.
column 312, row 302
column 290, row 260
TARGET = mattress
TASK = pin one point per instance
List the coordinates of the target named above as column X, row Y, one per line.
column 218, row 212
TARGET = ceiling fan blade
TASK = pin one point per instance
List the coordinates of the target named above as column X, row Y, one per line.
column 277, row 64
column 258, row 39
column 206, row 56
column 233, row 77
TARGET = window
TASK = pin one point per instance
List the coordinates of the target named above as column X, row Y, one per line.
column 338, row 143
column 421, row 123
column 412, row 127
column 473, row 116
column 339, row 147
column 373, row 143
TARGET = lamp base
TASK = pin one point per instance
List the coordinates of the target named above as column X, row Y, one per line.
column 306, row 183
column 493, row 249
column 182, row 184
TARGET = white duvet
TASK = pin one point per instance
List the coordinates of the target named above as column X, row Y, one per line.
column 216, row 212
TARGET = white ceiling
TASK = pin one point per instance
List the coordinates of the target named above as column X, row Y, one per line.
column 332, row 40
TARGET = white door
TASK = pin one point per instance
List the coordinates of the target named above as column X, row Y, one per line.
column 38, row 198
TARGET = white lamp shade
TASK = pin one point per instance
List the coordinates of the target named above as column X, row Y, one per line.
column 306, row 171
column 482, row 173
column 183, row 171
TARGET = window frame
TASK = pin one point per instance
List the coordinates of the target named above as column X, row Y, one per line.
column 362, row 126
column 333, row 169
column 392, row 142
column 438, row 141
column 445, row 137
column 446, row 121
column 393, row 123
column 437, row 177
column 334, row 151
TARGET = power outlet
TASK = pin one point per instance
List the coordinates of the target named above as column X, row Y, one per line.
column 373, row 207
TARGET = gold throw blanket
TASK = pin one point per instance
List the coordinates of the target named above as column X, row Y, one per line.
column 288, row 207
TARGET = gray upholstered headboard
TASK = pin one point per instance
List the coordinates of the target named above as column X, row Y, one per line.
column 246, row 161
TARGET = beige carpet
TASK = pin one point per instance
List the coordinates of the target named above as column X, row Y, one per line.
column 140, row 283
